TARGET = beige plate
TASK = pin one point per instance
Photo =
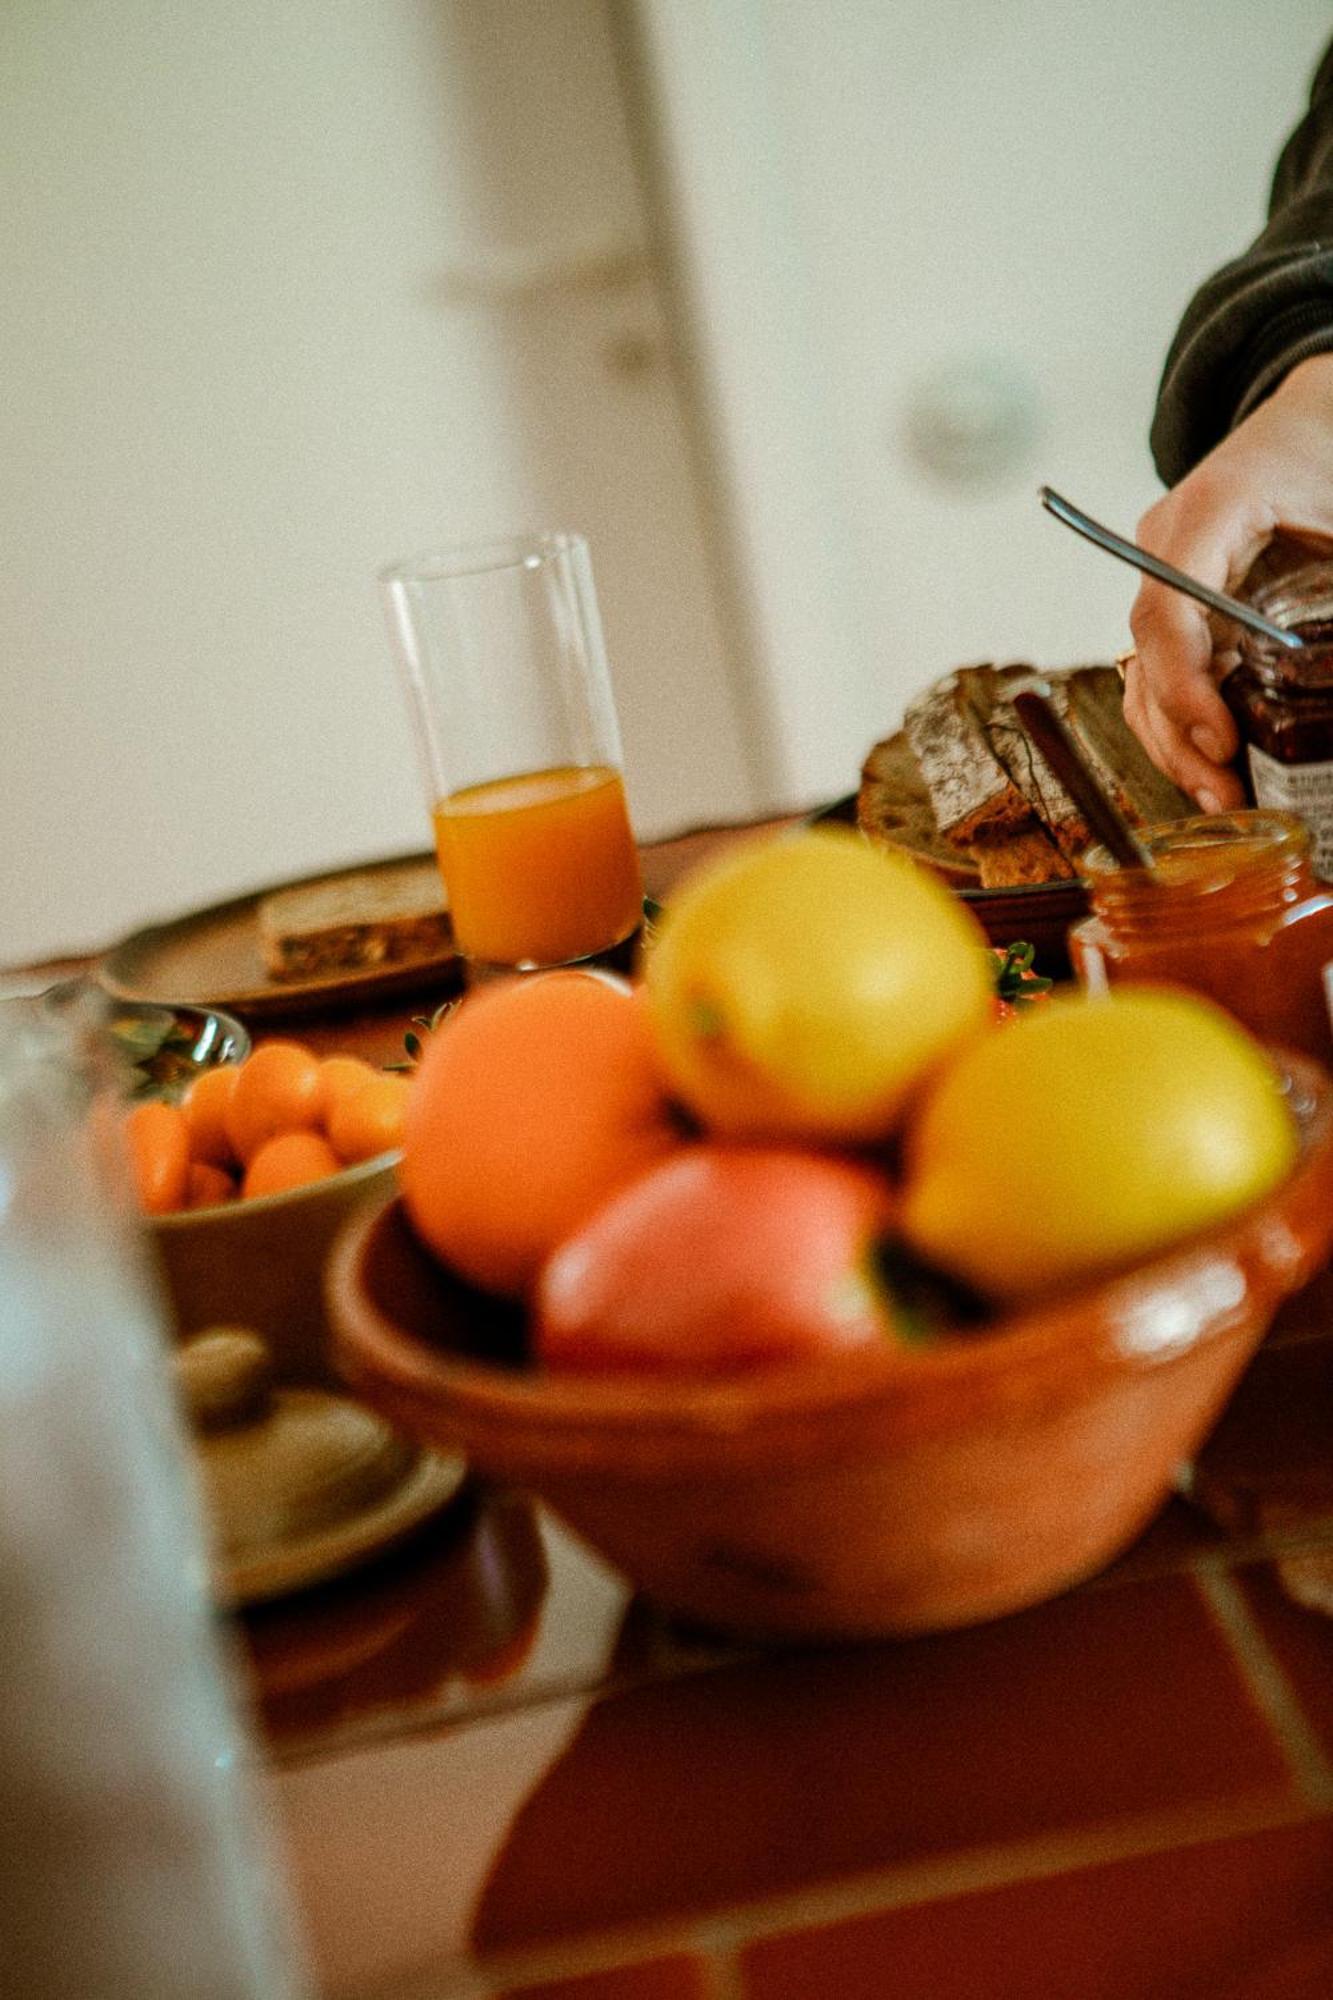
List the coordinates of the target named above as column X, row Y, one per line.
column 212, row 958
column 292, row 1566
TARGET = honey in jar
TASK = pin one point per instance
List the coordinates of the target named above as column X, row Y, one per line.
column 1230, row 907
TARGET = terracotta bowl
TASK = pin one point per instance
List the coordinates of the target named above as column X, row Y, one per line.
column 874, row 1493
column 260, row 1263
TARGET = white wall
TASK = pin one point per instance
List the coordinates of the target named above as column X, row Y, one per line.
column 895, row 218
column 236, row 383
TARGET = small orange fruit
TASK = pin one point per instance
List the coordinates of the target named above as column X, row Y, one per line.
column 208, row 1185
column 159, row 1147
column 289, row 1160
column 534, row 1102
column 343, row 1077
column 369, row 1120
column 205, row 1106
column 280, row 1088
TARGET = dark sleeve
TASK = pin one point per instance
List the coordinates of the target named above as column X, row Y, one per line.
column 1262, row 313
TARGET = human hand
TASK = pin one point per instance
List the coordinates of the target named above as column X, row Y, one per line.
column 1274, row 473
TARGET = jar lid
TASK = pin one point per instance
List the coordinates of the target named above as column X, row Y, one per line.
column 1299, row 600
column 296, row 1479
column 1207, row 848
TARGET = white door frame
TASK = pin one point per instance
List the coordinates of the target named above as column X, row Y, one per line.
column 765, row 394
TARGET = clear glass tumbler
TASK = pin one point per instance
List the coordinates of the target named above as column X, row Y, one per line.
column 131, row 1861
column 504, row 664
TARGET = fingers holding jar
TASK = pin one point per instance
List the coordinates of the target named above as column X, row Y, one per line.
column 1272, row 476
column 1189, row 737
column 1172, row 701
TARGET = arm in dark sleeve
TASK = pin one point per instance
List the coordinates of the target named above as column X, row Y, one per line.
column 1263, row 312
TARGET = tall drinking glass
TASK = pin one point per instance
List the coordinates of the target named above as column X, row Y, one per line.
column 504, row 664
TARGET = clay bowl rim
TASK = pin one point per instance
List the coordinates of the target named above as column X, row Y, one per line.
column 1056, row 1350
column 232, row 1213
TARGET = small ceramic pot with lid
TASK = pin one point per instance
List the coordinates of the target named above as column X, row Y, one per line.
column 298, row 1483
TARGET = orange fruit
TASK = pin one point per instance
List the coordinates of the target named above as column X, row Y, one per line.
column 343, row 1077
column 289, row 1160
column 534, row 1102
column 205, row 1105
column 280, row 1088
column 208, row 1185
column 159, row 1147
column 369, row 1120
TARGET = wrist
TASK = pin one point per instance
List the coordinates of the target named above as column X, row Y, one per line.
column 1309, row 381
column 1304, row 332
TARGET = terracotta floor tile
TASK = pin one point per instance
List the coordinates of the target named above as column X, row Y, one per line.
column 768, row 1776
column 492, row 1603
column 706, row 1788
column 389, row 1847
column 662, row 1979
column 1291, row 1603
column 1224, row 1919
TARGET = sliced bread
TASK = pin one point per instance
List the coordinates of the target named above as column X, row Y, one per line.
column 367, row 917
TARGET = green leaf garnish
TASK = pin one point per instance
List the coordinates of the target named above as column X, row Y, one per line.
column 412, row 1043
column 1015, row 980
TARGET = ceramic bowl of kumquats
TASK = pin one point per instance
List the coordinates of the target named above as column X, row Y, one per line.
column 247, row 1178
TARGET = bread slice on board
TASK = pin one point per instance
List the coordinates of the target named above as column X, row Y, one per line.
column 379, row 916
column 963, row 787
column 894, row 806
column 971, row 793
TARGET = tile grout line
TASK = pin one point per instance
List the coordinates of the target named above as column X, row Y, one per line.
column 391, row 1729
column 723, row 1975
column 969, row 1872
column 391, row 1732
column 458, row 1982
column 717, row 1938
column 1268, row 1685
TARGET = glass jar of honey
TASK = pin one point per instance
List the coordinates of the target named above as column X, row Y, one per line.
column 1230, row 907
column 1282, row 702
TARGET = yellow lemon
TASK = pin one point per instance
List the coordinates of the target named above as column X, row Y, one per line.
column 1089, row 1134
column 804, row 987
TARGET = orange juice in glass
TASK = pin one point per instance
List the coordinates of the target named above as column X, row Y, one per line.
column 505, row 668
